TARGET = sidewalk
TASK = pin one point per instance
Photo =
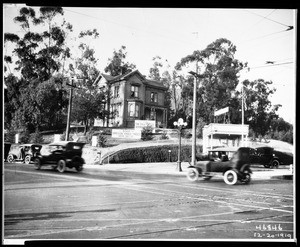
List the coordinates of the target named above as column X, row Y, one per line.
column 170, row 168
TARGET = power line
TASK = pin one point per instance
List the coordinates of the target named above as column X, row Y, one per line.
column 271, row 65
column 265, row 17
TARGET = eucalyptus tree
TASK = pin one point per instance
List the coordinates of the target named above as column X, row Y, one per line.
column 88, row 100
column 38, row 55
column 219, row 76
column 117, row 64
column 259, row 111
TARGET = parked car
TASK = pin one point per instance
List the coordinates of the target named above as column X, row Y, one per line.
column 235, row 169
column 7, row 146
column 262, row 155
column 24, row 152
column 61, row 155
column 266, row 157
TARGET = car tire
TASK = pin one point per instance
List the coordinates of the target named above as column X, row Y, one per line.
column 37, row 164
column 230, row 177
column 61, row 166
column 10, row 158
column 192, row 174
column 79, row 168
column 275, row 164
column 247, row 177
column 27, row 159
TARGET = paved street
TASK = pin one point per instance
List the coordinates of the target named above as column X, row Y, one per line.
column 107, row 203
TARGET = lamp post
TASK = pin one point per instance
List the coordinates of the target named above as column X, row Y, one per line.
column 196, row 75
column 180, row 124
column 69, row 108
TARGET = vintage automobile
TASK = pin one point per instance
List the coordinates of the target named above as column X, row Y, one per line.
column 235, row 169
column 61, row 155
column 261, row 156
column 7, row 146
column 24, row 152
column 266, row 157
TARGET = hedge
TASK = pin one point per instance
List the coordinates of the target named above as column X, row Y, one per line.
column 152, row 154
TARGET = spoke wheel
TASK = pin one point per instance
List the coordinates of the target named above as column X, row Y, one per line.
column 27, row 159
column 61, row 166
column 79, row 168
column 192, row 174
column 230, row 177
column 10, row 158
column 246, row 177
column 275, row 164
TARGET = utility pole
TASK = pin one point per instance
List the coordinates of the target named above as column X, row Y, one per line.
column 194, row 118
column 69, row 108
column 243, row 112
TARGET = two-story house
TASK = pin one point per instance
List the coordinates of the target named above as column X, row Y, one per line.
column 133, row 97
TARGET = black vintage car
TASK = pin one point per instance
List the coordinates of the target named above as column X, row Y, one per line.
column 266, row 157
column 234, row 169
column 24, row 152
column 61, row 155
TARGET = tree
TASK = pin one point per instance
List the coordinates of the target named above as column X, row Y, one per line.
column 219, row 77
column 38, row 58
column 117, row 64
column 259, row 112
column 88, row 99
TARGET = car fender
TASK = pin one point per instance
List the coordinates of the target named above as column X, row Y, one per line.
column 244, row 167
column 78, row 158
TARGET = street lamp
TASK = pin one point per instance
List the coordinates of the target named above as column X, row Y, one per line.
column 193, row 161
column 179, row 124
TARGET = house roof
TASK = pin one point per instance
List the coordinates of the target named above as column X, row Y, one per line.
column 127, row 75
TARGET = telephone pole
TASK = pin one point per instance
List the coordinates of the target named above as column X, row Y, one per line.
column 69, row 108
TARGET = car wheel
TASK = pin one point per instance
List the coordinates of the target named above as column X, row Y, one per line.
column 275, row 164
column 27, row 159
column 10, row 158
column 79, row 168
column 246, row 177
column 230, row 177
column 61, row 166
column 192, row 174
column 37, row 164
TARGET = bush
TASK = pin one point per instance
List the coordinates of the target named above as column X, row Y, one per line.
column 164, row 136
column 36, row 137
column 101, row 140
column 147, row 133
column 24, row 137
column 153, row 154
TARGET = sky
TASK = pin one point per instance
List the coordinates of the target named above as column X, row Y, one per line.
column 260, row 35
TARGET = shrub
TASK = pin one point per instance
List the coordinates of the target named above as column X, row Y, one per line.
column 164, row 136
column 36, row 137
column 147, row 133
column 24, row 137
column 101, row 140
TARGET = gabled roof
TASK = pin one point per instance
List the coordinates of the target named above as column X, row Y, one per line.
column 128, row 74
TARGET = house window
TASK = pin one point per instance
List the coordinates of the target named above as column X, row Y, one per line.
column 115, row 109
column 133, row 110
column 153, row 97
column 134, row 92
column 116, row 91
